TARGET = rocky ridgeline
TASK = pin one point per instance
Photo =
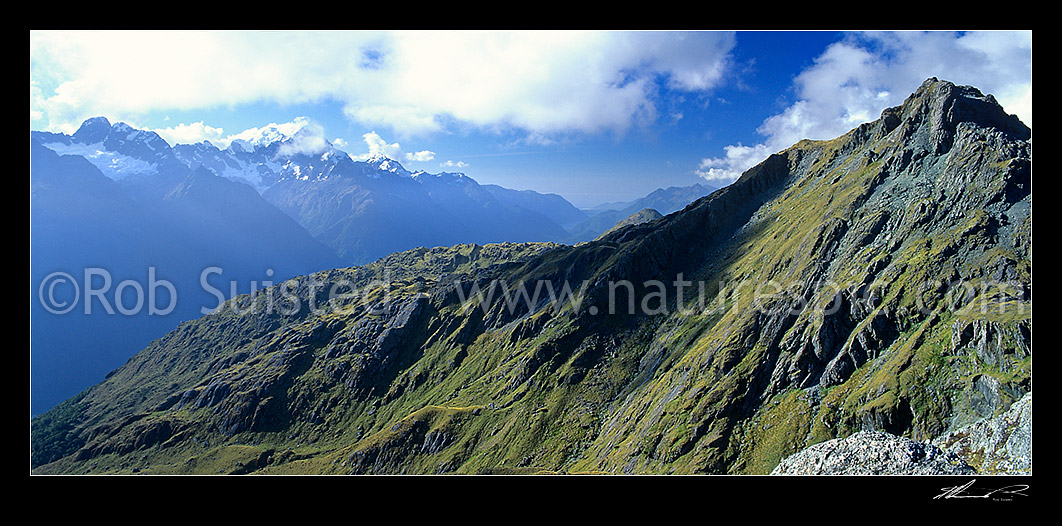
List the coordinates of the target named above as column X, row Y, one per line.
column 1000, row 445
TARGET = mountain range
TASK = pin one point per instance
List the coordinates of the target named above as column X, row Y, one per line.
column 876, row 282
column 662, row 200
column 367, row 209
column 92, row 232
column 363, row 210
column 264, row 209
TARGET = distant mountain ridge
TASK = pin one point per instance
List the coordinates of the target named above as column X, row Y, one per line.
column 667, row 200
column 349, row 215
column 664, row 200
column 363, row 210
column 642, row 216
column 117, row 204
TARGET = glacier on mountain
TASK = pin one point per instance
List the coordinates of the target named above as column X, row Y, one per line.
column 113, row 164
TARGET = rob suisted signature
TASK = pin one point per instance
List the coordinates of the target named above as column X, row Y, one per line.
column 964, row 492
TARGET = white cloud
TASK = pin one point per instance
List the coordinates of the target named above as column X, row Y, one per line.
column 414, row 83
column 853, row 80
column 738, row 158
column 549, row 81
column 308, row 140
column 421, row 156
column 192, row 133
column 392, row 150
column 378, row 146
column 407, row 120
column 36, row 98
column 454, row 164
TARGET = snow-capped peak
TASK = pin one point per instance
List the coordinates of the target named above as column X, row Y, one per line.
column 253, row 138
column 118, row 150
column 378, row 159
column 386, row 164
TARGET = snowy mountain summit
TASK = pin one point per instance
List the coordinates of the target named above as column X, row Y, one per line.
column 386, row 164
column 117, row 150
column 260, row 157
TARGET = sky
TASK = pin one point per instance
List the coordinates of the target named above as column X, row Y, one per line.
column 595, row 116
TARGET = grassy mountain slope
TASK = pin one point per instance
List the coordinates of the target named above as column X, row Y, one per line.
column 880, row 280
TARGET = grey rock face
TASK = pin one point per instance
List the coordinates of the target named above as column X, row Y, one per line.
column 873, row 453
column 1001, row 445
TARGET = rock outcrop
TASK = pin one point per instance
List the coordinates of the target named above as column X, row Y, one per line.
column 995, row 446
column 873, row 453
column 1000, row 446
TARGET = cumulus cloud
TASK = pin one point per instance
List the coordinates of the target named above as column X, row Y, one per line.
column 421, row 156
column 454, row 164
column 853, row 80
column 377, row 146
column 406, row 120
column 414, row 83
column 543, row 81
column 737, row 159
column 192, row 133
column 309, row 140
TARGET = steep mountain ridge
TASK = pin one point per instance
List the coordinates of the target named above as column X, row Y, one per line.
column 877, row 281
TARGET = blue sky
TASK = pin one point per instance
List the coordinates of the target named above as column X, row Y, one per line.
column 595, row 116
